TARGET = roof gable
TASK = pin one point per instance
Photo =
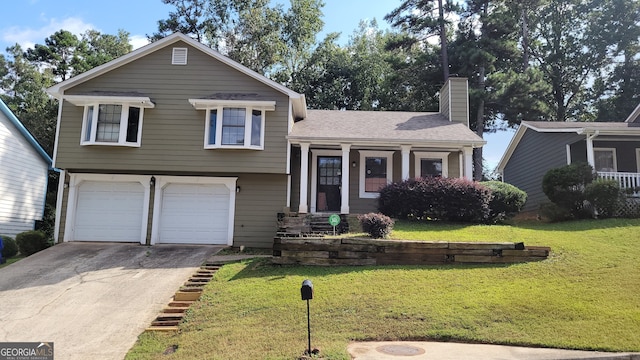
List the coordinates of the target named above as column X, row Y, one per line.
column 299, row 102
column 25, row 133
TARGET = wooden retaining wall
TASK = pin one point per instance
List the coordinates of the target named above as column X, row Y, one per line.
column 356, row 251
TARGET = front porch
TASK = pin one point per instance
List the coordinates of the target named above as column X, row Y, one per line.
column 630, row 182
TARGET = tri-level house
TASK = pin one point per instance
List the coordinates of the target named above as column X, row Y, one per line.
column 175, row 143
column 611, row 148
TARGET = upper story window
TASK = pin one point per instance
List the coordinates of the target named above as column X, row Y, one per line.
column 431, row 164
column 115, row 121
column 234, row 124
column 375, row 172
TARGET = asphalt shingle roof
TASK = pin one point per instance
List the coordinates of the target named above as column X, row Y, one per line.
column 380, row 126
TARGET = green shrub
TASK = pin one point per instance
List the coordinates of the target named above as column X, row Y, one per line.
column 553, row 212
column 605, row 197
column 506, row 201
column 436, row 198
column 564, row 186
column 30, row 242
column 376, row 225
column 10, row 247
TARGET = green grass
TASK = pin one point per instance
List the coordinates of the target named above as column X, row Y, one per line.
column 585, row 296
column 11, row 261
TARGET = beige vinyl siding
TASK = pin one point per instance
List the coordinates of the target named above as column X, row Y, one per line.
column 459, row 101
column 258, row 203
column 173, row 132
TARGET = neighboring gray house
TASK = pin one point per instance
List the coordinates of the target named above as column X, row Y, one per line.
column 175, row 143
column 23, row 179
column 612, row 148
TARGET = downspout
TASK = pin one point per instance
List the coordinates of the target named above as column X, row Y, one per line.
column 590, row 154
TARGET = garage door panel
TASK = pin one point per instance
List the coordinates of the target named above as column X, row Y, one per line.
column 109, row 211
column 194, row 214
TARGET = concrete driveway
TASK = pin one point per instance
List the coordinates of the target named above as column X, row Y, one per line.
column 92, row 300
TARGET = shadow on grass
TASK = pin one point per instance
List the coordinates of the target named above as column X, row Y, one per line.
column 262, row 267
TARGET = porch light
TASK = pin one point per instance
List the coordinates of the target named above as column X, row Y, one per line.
column 152, row 181
column 353, row 164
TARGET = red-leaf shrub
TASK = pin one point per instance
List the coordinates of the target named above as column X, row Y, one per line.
column 436, row 198
column 377, row 225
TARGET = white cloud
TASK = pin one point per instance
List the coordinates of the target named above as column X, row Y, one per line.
column 28, row 37
column 138, row 41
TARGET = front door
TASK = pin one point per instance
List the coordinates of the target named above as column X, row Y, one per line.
column 329, row 181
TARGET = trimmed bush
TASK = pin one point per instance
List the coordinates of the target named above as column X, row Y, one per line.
column 506, row 202
column 378, row 226
column 10, row 247
column 564, row 186
column 30, row 242
column 605, row 197
column 436, row 198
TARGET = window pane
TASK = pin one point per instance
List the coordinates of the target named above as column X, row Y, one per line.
column 375, row 175
column 89, row 123
column 430, row 167
column 132, row 124
column 108, row 123
column 256, row 127
column 604, row 160
column 233, row 120
column 213, row 121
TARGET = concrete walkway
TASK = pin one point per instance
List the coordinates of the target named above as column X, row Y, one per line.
column 92, row 300
column 456, row 351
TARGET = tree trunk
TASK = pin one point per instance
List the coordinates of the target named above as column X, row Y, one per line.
column 443, row 42
column 525, row 38
column 477, row 153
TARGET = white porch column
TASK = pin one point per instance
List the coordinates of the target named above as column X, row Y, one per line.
column 344, row 207
column 304, row 178
column 468, row 162
column 590, row 156
column 406, row 150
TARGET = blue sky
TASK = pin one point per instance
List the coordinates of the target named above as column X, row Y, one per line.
column 28, row 22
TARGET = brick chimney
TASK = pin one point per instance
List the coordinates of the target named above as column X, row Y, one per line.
column 454, row 100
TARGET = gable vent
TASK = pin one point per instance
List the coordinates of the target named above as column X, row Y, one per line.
column 179, row 56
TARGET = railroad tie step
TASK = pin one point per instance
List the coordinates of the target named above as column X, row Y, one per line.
column 171, row 316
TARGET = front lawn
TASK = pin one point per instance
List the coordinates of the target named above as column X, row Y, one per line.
column 584, row 296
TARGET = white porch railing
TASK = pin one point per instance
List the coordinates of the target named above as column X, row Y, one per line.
column 625, row 179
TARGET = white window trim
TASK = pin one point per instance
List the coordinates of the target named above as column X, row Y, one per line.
column 219, row 105
column 124, row 119
column 381, row 154
column 613, row 151
column 443, row 156
column 141, row 102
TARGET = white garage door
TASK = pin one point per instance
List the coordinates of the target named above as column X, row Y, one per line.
column 194, row 214
column 109, row 211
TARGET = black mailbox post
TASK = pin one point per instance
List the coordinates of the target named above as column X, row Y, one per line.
column 307, row 294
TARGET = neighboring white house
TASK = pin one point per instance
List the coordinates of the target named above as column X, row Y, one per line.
column 24, row 167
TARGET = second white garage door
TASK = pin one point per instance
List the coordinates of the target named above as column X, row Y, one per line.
column 194, row 214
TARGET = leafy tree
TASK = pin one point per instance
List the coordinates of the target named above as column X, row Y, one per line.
column 567, row 56
column 419, row 17
column 188, row 18
column 22, row 87
column 58, row 53
column 96, row 49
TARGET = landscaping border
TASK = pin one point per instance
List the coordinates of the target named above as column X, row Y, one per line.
column 360, row 251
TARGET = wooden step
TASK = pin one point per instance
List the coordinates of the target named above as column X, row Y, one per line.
column 162, row 328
